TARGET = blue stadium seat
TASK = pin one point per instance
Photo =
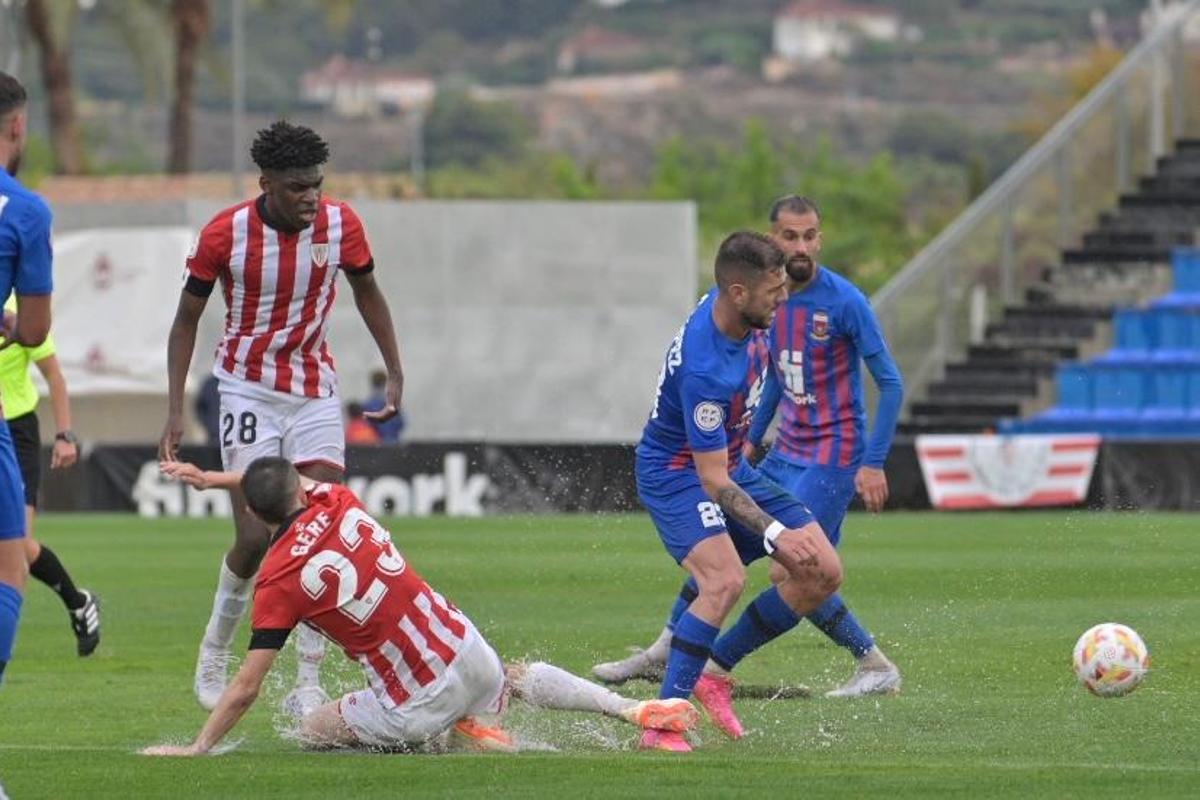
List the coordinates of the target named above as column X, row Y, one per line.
column 1185, row 268
column 1133, row 340
column 1185, row 272
column 1120, row 391
column 1075, row 390
column 1176, row 335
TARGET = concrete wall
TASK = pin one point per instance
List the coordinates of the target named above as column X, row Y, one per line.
column 517, row 321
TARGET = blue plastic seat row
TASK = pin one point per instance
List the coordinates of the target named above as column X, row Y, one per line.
column 1185, row 273
column 1149, row 383
column 1155, row 334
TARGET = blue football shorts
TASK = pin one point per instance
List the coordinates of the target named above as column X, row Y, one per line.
column 12, row 489
column 826, row 491
column 685, row 515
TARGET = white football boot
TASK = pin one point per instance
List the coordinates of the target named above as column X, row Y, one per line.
column 870, row 678
column 641, row 664
column 212, row 674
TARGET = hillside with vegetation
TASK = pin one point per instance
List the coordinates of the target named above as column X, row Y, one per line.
column 894, row 138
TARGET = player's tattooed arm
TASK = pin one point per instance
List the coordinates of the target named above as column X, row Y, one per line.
column 713, row 468
column 734, row 501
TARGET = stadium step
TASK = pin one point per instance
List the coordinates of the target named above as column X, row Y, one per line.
column 1007, row 388
column 1015, row 368
column 1031, row 350
column 964, row 423
column 1117, row 254
column 1042, row 327
column 1142, row 238
column 965, row 405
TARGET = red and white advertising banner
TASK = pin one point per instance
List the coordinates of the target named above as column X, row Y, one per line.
column 991, row 471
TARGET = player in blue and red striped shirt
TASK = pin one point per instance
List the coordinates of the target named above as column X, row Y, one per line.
column 822, row 453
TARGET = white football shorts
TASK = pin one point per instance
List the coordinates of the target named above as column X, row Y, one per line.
column 257, row 422
column 472, row 684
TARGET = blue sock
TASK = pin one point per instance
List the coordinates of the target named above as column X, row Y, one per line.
column 689, row 592
column 690, row 647
column 763, row 620
column 836, row 622
column 10, row 613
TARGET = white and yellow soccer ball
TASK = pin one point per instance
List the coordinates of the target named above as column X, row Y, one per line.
column 1111, row 659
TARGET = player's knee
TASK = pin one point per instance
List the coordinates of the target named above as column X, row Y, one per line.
column 829, row 572
column 726, row 587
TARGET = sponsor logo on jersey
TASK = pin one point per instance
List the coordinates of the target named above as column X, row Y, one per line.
column 820, row 326
column 708, row 416
column 320, row 253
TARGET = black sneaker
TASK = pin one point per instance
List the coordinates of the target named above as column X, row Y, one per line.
column 85, row 621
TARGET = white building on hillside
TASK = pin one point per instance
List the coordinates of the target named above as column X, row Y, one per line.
column 817, row 30
column 361, row 89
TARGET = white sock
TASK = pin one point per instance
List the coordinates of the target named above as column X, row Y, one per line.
column 310, row 652
column 661, row 649
column 229, row 605
column 874, row 659
column 547, row 686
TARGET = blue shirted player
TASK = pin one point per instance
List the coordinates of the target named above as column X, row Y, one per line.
column 24, row 269
column 713, row 511
column 821, row 453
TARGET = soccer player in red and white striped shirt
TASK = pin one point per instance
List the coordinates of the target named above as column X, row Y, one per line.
column 332, row 567
column 277, row 258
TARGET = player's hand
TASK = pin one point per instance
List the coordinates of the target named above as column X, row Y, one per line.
column 871, row 484
column 171, row 750
column 185, row 473
column 796, row 548
column 168, row 444
column 748, row 449
column 392, row 391
column 64, row 454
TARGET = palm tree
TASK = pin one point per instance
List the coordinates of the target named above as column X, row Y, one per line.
column 50, row 23
column 190, row 24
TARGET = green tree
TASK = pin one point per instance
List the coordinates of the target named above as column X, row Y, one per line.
column 863, row 205
column 465, row 131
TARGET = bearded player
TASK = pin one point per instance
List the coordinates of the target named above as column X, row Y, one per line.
column 821, row 454
column 334, row 568
column 277, row 258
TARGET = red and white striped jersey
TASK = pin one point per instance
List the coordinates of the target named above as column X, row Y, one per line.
column 336, row 569
column 278, row 288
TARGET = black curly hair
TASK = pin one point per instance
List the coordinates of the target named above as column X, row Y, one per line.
column 287, row 146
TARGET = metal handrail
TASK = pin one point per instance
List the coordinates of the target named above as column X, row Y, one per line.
column 1016, row 176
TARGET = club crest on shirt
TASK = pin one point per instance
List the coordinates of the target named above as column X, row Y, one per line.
column 320, row 253
column 820, row 326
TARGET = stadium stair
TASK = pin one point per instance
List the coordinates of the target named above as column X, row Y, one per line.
column 1051, row 349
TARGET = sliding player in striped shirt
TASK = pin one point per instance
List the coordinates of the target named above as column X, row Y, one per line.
column 277, row 258
column 334, row 568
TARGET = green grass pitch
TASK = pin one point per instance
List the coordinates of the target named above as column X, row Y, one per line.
column 979, row 610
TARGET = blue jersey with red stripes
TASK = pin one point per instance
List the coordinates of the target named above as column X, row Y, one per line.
column 707, row 392
column 818, row 341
